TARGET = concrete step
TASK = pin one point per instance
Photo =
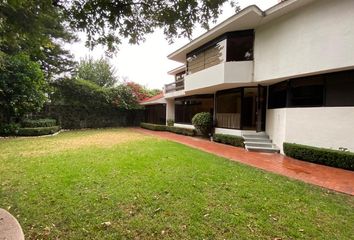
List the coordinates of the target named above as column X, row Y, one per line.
column 253, row 135
column 259, row 144
column 256, row 139
column 272, row 149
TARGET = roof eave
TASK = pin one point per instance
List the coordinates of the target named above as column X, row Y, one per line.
column 249, row 9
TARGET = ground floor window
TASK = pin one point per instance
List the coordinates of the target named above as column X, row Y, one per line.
column 155, row 114
column 187, row 107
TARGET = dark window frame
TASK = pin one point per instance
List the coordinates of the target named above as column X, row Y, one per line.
column 327, row 79
column 191, row 98
column 234, row 90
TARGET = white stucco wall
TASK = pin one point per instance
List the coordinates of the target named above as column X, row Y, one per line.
column 328, row 127
column 189, row 126
column 170, row 109
column 235, row 132
column 276, row 125
column 227, row 72
column 315, row 38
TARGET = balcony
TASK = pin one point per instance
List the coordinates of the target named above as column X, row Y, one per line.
column 174, row 89
column 221, row 76
column 175, row 86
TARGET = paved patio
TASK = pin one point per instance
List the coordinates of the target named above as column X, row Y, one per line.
column 328, row 177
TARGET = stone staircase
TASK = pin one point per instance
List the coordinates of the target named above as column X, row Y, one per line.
column 259, row 142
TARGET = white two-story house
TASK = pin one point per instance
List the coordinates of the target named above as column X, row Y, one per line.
column 287, row 72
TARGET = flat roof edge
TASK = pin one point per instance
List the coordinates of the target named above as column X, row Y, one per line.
column 251, row 8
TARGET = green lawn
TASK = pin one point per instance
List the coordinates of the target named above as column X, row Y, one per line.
column 65, row 187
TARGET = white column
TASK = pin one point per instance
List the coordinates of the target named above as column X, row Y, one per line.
column 170, row 109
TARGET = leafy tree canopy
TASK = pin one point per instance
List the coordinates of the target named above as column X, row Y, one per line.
column 107, row 22
column 80, row 92
column 140, row 92
column 38, row 29
column 98, row 71
column 22, row 87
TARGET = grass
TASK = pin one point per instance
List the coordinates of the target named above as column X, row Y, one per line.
column 69, row 185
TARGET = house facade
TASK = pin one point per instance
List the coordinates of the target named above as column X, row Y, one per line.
column 287, row 72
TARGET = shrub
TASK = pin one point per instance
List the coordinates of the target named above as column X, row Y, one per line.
column 183, row 131
column 9, row 129
column 202, row 122
column 329, row 157
column 170, row 122
column 154, row 127
column 38, row 131
column 45, row 122
column 178, row 130
column 236, row 141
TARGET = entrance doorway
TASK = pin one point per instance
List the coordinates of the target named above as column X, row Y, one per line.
column 241, row 108
column 248, row 115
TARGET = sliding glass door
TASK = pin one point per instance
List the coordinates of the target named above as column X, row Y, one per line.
column 241, row 108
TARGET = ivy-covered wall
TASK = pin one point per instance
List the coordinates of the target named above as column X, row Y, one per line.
column 76, row 117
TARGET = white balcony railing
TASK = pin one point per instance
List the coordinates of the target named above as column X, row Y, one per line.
column 175, row 86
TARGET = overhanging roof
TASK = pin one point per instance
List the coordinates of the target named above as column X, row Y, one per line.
column 248, row 18
column 177, row 70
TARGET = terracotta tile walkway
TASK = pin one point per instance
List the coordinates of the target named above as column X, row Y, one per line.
column 328, row 177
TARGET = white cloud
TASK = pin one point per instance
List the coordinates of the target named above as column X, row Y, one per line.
column 147, row 63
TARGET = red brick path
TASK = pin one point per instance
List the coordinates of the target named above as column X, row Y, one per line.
column 328, row 177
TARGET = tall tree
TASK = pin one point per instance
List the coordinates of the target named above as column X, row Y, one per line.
column 98, row 71
column 22, row 87
column 38, row 29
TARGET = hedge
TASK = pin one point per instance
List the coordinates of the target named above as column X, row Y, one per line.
column 45, row 122
column 329, row 157
column 38, row 131
column 178, row 130
column 229, row 139
column 183, row 131
column 154, row 127
column 78, row 117
column 9, row 129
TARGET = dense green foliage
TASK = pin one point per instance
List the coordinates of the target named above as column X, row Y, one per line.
column 33, row 123
column 36, row 28
column 68, row 185
column 203, row 122
column 108, row 22
column 77, row 117
column 79, row 92
column 100, row 72
column 229, row 139
column 9, row 129
column 170, row 122
column 22, row 87
column 154, row 127
column 329, row 157
column 122, row 96
column 37, row 131
column 178, row 130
